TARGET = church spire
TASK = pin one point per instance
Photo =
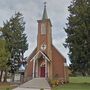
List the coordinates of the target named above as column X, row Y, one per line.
column 45, row 12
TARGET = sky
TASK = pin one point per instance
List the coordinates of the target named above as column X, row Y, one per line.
column 32, row 11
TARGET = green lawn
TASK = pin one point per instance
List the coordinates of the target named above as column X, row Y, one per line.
column 6, row 86
column 76, row 83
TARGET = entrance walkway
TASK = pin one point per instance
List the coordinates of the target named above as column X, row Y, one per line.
column 34, row 84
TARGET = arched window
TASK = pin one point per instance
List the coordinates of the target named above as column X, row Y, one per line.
column 43, row 29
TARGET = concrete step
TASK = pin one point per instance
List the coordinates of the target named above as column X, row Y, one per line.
column 35, row 84
column 28, row 89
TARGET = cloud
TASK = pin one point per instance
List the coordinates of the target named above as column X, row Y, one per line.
column 32, row 11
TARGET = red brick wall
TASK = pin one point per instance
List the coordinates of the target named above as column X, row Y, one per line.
column 57, row 64
column 29, row 70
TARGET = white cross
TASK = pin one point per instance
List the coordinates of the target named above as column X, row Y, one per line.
column 43, row 46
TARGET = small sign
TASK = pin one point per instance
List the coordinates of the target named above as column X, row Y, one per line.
column 17, row 77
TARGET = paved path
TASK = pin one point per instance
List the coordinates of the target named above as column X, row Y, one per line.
column 34, row 84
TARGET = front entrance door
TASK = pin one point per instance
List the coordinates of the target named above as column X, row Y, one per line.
column 42, row 72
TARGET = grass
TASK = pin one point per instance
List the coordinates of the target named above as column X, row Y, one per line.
column 79, row 79
column 76, row 83
column 6, row 86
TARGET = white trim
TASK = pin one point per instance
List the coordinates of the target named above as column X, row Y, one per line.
column 33, row 68
column 45, row 56
column 36, row 68
column 46, row 72
column 35, row 57
column 48, row 69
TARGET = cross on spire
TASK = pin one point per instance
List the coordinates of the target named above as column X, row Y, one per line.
column 45, row 4
column 45, row 12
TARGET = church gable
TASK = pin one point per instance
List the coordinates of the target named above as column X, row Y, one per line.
column 39, row 54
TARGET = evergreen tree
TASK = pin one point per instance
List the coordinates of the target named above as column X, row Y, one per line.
column 4, row 57
column 13, row 32
column 78, row 35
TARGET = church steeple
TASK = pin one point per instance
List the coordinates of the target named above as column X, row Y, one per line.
column 44, row 33
column 45, row 16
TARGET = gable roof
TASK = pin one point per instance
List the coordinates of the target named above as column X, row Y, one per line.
column 38, row 54
column 32, row 54
column 35, row 53
column 58, row 52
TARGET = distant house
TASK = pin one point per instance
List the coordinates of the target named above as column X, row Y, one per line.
column 46, row 61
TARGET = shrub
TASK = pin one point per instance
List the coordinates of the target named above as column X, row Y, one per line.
column 54, row 83
column 42, row 89
column 7, row 88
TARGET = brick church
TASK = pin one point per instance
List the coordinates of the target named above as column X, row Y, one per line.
column 46, row 61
